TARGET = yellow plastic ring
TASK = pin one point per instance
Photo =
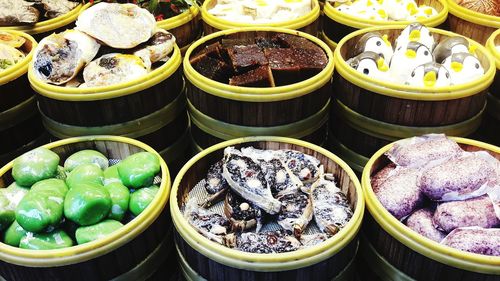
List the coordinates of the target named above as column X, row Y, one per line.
column 360, row 23
column 263, row 262
column 252, row 94
column 297, row 23
column 412, row 92
column 422, row 245
column 87, row 251
column 491, row 46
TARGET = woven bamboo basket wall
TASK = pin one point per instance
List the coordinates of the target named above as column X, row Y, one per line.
column 186, row 27
column 132, row 253
column 309, row 23
column 202, row 259
column 398, row 253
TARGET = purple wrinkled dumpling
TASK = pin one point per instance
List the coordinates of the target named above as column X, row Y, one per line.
column 485, row 241
column 458, row 178
column 421, row 222
column 399, row 193
column 477, row 211
column 419, row 151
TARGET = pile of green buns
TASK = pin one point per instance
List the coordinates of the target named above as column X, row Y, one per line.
column 54, row 207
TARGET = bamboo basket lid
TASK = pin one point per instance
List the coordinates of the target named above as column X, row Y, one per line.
column 51, row 24
column 223, row 24
column 252, row 94
column 473, row 16
column 427, row 247
column 21, row 67
column 412, row 92
column 180, row 19
column 107, row 92
column 87, row 251
column 440, row 5
column 266, row 262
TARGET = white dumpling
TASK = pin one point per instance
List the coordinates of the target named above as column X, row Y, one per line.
column 113, row 69
column 429, row 75
column 463, row 68
column 406, row 59
column 158, row 47
column 121, row 26
column 60, row 56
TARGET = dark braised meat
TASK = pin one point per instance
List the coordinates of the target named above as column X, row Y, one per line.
column 294, row 41
column 282, row 63
column 259, row 77
column 244, row 58
column 214, row 69
column 215, row 51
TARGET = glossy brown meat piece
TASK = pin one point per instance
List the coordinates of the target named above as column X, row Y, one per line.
column 243, row 58
column 259, row 77
column 214, row 69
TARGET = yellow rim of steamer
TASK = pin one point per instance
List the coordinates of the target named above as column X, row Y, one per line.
column 417, row 242
column 412, row 92
column 359, row 23
column 21, row 67
column 252, row 94
column 265, row 262
column 297, row 23
column 87, row 251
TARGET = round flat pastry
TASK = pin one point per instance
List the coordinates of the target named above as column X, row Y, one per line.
column 60, row 56
column 121, row 26
column 12, row 40
column 113, row 69
column 9, row 56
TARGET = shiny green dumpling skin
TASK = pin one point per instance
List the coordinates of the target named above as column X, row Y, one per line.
column 87, row 204
column 111, row 175
column 141, row 198
column 14, row 234
column 42, row 207
column 139, row 169
column 9, row 199
column 86, row 173
column 87, row 156
column 61, row 173
column 57, row 239
column 35, row 165
column 85, row 234
column 120, row 196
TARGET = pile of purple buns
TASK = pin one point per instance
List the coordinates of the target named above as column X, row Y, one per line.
column 444, row 193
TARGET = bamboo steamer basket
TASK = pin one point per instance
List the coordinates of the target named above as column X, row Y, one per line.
column 186, row 27
column 131, row 253
column 411, row 254
column 220, row 111
column 337, row 25
column 211, row 261
column 370, row 113
column 475, row 25
column 308, row 23
column 150, row 108
column 20, row 124
column 44, row 28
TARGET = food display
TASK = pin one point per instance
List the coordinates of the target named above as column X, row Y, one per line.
column 487, row 7
column 442, row 192
column 385, row 10
column 267, row 201
column 417, row 58
column 52, row 207
column 13, row 48
column 160, row 9
column 25, row 12
column 276, row 60
column 260, row 11
column 111, row 43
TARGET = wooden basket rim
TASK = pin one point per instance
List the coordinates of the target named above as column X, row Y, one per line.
column 266, row 262
column 20, row 68
column 253, row 94
column 359, row 23
column 490, row 44
column 473, row 16
column 417, row 242
column 87, row 251
column 297, row 23
column 180, row 19
column 51, row 24
column 413, row 92
column 107, row 92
